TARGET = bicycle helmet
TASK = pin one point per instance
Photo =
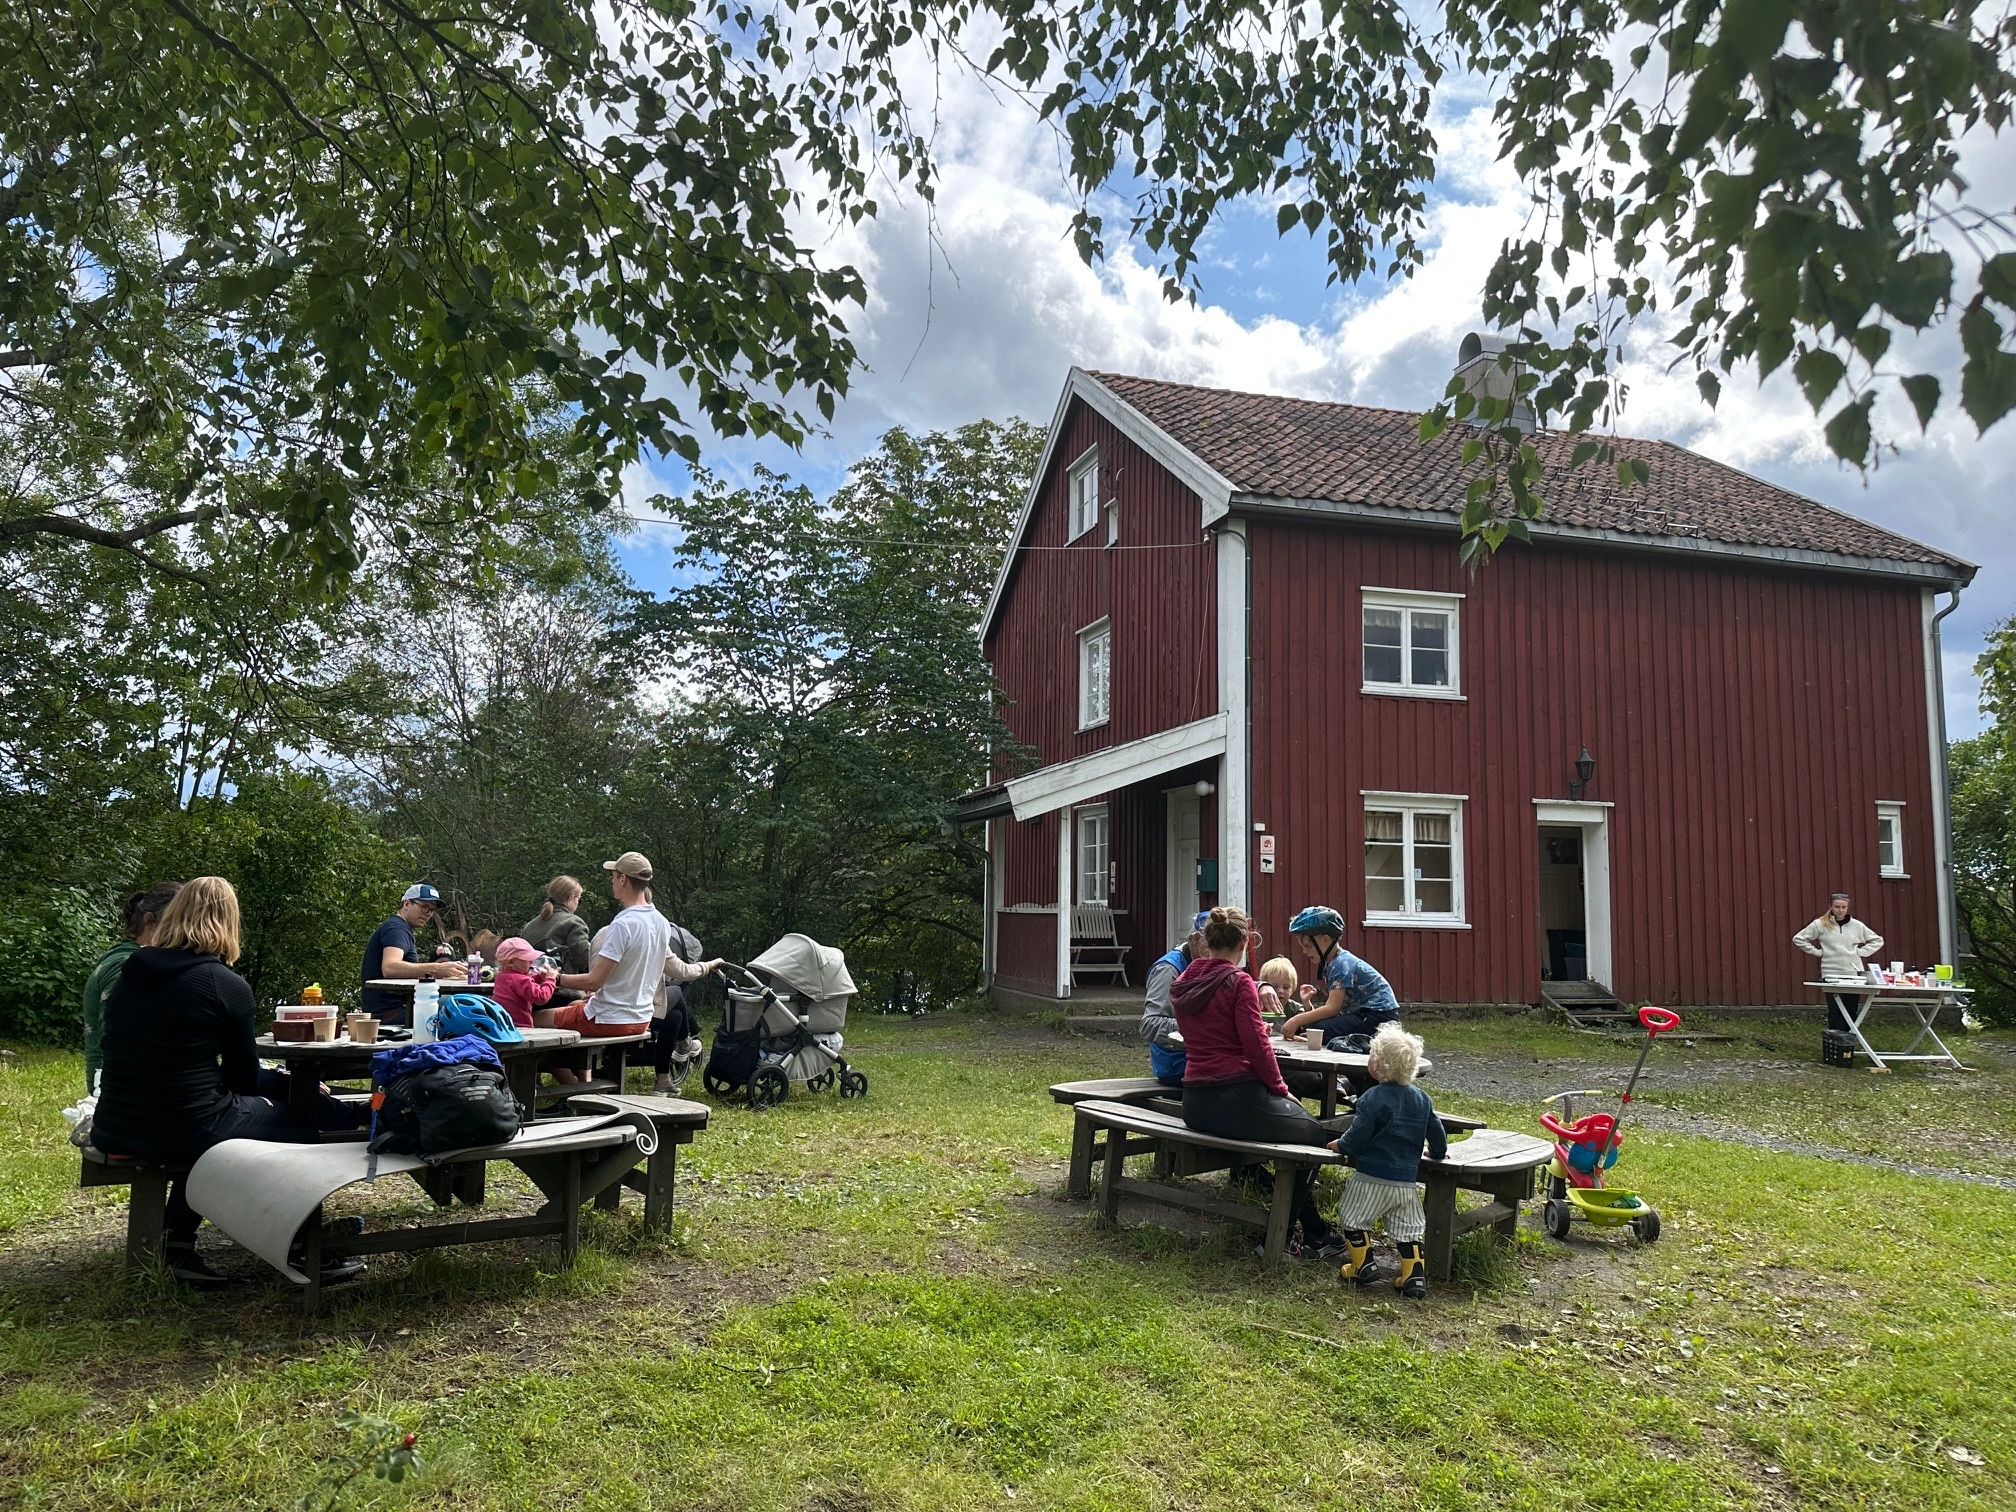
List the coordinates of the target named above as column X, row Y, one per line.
column 466, row 1013
column 1318, row 920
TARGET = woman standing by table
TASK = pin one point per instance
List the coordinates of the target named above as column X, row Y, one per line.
column 181, row 1072
column 1842, row 942
column 1232, row 1084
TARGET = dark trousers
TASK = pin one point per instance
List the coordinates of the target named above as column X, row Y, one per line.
column 1841, row 1010
column 264, row 1117
column 666, row 1033
column 1247, row 1110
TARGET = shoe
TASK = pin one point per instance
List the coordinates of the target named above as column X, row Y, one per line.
column 1357, row 1267
column 1330, row 1247
column 336, row 1270
column 1412, row 1282
column 664, row 1085
column 691, row 1049
column 191, row 1270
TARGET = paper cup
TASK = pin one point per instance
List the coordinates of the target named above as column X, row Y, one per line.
column 1313, row 1038
column 363, row 1029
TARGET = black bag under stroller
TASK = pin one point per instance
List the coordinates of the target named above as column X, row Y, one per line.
column 783, row 1024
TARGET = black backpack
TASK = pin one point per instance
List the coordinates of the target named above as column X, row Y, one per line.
column 446, row 1108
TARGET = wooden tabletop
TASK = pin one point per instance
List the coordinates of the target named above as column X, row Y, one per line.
column 1300, row 1057
column 305, row 1050
column 407, row 984
column 1493, row 1150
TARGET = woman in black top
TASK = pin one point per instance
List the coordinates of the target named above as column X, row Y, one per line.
column 181, row 1073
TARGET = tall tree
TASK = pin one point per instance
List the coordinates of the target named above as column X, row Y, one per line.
column 1983, row 774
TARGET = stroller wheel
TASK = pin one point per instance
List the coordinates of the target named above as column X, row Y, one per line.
column 820, row 1082
column 768, row 1085
column 853, row 1084
column 1645, row 1227
column 1556, row 1217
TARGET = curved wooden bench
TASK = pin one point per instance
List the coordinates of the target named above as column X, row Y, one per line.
column 1086, row 1146
column 146, row 1202
column 1497, row 1162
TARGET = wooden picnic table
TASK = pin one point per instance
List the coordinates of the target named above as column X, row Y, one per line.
column 1294, row 1055
column 311, row 1062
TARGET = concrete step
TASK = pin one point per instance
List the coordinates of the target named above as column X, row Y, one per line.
column 1103, row 1023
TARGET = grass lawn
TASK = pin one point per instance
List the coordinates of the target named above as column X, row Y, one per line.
column 886, row 1304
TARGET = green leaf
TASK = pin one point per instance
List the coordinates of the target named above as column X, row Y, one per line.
column 1915, row 289
column 1848, row 431
column 1923, row 390
column 1988, row 374
column 1286, row 219
column 1998, row 279
column 1711, row 388
column 1819, row 372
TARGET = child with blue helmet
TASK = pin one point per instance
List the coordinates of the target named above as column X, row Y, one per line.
column 1356, row 998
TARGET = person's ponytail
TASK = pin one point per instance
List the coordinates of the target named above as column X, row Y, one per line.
column 546, row 909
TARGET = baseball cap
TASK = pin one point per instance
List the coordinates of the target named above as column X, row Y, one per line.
column 632, row 864
column 421, row 892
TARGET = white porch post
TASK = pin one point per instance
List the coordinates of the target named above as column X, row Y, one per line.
column 1942, row 812
column 1235, row 802
column 1064, row 903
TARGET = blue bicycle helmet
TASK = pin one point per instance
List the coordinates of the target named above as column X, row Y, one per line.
column 466, row 1013
column 1318, row 920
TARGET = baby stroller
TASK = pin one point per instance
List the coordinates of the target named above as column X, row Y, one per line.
column 782, row 1025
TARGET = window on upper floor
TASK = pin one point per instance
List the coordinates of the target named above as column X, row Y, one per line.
column 1084, row 493
column 1095, row 674
column 1410, row 643
column 1890, row 839
column 1413, row 859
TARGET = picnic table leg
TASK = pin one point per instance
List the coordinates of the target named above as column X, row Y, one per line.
column 1440, row 1206
column 146, row 1215
column 311, row 1264
column 466, row 1182
column 1511, row 1190
column 521, row 1074
column 1280, row 1214
column 1110, row 1174
column 1863, row 1003
column 1329, row 1094
column 1078, row 1185
column 570, row 1218
column 660, row 1181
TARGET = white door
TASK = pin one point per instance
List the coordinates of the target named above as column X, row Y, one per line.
column 1185, row 845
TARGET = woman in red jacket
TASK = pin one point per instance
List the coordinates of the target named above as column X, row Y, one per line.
column 1232, row 1084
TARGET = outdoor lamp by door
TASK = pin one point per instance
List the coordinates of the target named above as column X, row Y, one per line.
column 1585, row 773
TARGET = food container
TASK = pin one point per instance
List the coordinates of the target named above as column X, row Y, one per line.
column 293, row 1031
column 312, row 994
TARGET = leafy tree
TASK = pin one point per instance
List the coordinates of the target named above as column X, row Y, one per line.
column 1983, row 775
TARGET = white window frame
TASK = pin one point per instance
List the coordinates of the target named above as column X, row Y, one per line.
column 1886, row 809
column 1410, row 804
column 1093, row 818
column 1406, row 601
column 1082, row 518
column 1092, row 713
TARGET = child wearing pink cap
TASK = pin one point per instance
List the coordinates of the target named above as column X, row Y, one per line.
column 517, row 990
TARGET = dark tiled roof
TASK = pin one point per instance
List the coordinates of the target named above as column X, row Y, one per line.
column 1273, row 447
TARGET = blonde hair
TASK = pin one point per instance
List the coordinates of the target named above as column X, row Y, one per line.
column 559, row 890
column 1279, row 973
column 1228, row 928
column 203, row 917
column 1395, row 1055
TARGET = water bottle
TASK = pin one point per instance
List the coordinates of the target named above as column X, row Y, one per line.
column 475, row 969
column 426, row 1004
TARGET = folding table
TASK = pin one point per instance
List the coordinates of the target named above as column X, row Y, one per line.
column 1924, row 1001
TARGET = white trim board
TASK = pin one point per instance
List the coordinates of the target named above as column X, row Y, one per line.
column 1068, row 782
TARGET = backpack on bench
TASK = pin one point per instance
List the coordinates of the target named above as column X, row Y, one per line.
column 431, row 1099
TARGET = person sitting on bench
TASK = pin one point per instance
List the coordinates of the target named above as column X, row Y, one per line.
column 1158, row 1019
column 181, row 1071
column 1232, row 1084
column 1356, row 998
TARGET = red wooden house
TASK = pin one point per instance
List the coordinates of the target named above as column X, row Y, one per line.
column 1234, row 630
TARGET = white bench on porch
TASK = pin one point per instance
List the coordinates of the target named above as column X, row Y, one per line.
column 1095, row 947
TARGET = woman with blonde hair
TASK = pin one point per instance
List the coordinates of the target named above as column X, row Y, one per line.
column 559, row 931
column 181, row 1072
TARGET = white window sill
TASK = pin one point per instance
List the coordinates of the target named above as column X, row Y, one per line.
column 1895, row 876
column 1399, row 690
column 1076, row 536
column 1097, row 724
column 1411, row 921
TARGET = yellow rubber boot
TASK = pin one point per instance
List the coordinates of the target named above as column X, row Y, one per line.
column 1412, row 1282
column 1357, row 1264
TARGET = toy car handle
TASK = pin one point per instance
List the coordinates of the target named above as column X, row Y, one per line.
column 1558, row 1096
column 1658, row 1020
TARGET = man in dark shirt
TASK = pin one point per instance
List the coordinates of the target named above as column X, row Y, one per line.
column 393, row 952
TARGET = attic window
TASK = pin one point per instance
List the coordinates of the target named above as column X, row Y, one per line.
column 1084, row 493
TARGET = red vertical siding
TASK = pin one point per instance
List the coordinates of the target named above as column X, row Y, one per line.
column 1745, row 722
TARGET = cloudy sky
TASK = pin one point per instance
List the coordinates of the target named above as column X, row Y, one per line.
column 989, row 320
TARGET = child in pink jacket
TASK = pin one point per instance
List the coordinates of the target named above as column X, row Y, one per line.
column 517, row 990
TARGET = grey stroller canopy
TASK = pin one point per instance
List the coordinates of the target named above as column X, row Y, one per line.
column 815, row 972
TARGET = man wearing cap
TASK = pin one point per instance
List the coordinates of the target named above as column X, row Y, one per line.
column 635, row 956
column 393, row 953
column 1158, row 1020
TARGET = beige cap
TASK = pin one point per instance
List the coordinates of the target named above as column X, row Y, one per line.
column 633, row 864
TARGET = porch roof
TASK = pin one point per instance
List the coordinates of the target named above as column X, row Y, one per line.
column 1054, row 787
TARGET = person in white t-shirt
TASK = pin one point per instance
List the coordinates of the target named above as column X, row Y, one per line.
column 628, row 965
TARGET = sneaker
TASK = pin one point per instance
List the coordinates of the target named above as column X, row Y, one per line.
column 1330, row 1247
column 336, row 1270
column 664, row 1085
column 190, row 1269
column 691, row 1048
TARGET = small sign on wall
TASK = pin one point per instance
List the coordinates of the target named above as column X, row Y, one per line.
column 1267, row 846
column 1267, row 865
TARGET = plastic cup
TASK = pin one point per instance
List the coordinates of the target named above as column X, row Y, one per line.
column 1313, row 1038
